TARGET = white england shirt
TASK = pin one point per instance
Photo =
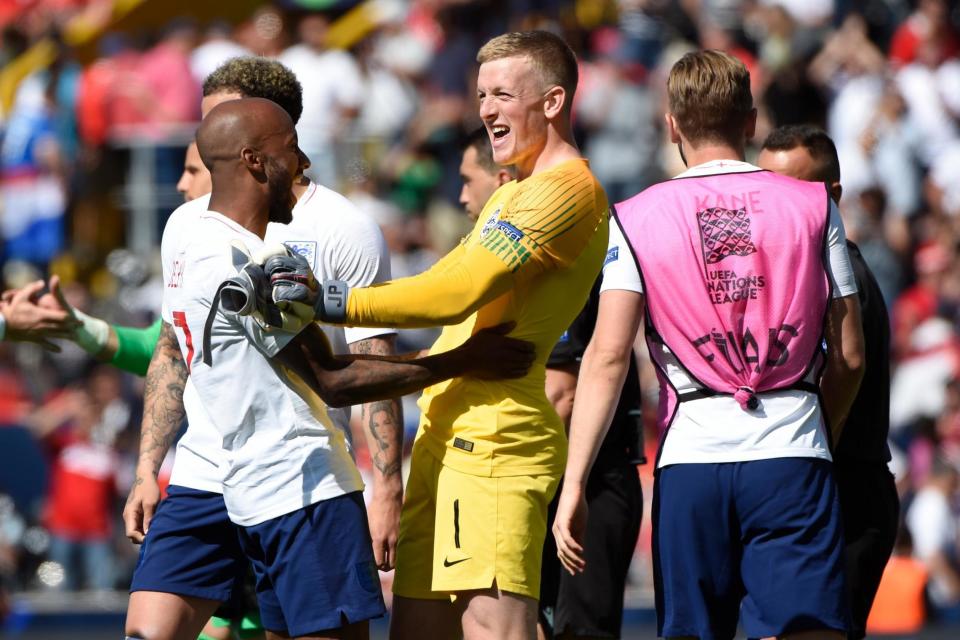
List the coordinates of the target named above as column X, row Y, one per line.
column 716, row 429
column 281, row 450
column 342, row 243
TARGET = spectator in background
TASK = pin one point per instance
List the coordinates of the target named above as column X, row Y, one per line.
column 926, row 33
column 217, row 47
column 900, row 606
column 32, row 187
column 918, row 387
column 619, row 115
column 333, row 90
column 932, row 522
column 79, row 511
column 159, row 89
column 920, row 302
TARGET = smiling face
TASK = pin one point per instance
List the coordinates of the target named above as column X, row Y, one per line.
column 284, row 163
column 511, row 95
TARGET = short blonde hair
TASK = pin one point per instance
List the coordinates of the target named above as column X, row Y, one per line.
column 551, row 57
column 709, row 94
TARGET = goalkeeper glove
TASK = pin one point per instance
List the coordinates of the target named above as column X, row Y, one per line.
column 296, row 289
column 248, row 293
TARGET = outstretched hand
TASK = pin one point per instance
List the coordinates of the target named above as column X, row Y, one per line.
column 32, row 317
column 493, row 355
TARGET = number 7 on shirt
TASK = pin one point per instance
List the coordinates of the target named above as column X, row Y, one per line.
column 180, row 321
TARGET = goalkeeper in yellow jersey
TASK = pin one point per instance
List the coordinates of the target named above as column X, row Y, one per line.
column 489, row 454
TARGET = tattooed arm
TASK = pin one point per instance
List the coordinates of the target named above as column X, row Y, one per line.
column 162, row 416
column 382, row 423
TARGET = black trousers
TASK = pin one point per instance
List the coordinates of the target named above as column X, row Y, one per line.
column 871, row 514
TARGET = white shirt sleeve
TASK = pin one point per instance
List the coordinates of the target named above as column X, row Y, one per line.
column 361, row 259
column 837, row 257
column 620, row 270
column 168, row 250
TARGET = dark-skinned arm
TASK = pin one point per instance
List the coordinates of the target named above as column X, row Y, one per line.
column 344, row 380
column 163, row 414
column 382, row 424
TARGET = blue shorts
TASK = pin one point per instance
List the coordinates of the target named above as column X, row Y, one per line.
column 315, row 568
column 192, row 548
column 764, row 534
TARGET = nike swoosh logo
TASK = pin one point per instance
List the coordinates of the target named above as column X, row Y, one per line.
column 447, row 563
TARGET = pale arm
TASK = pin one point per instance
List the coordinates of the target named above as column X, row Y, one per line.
column 163, row 415
column 602, row 372
column 845, row 361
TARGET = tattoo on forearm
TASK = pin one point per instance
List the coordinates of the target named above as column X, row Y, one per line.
column 382, row 420
column 163, row 399
column 386, row 432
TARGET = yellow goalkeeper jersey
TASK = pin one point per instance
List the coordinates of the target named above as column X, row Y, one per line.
column 551, row 230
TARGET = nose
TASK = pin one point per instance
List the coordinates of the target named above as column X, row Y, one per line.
column 464, row 196
column 304, row 160
column 488, row 112
column 183, row 184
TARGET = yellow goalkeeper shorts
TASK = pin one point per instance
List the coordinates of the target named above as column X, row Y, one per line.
column 460, row 532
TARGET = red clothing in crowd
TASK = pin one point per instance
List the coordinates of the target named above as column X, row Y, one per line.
column 911, row 35
column 914, row 306
column 82, row 487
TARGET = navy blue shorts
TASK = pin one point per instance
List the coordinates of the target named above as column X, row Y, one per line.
column 315, row 568
column 765, row 534
column 191, row 549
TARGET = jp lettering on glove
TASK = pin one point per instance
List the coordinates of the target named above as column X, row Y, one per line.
column 297, row 291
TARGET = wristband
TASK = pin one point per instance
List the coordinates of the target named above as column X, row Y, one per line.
column 92, row 335
column 331, row 305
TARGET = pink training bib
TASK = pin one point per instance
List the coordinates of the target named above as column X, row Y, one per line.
column 734, row 278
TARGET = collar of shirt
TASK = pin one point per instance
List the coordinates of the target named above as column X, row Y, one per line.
column 718, row 166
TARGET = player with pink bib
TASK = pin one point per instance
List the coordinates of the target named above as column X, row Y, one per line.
column 738, row 335
column 742, row 276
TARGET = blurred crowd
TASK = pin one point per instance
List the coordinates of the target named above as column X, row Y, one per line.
column 388, row 97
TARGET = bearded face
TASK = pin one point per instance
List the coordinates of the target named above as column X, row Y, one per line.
column 279, row 191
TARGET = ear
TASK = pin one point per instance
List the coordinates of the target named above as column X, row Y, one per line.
column 252, row 159
column 503, row 177
column 750, row 127
column 672, row 128
column 554, row 101
column 836, row 191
